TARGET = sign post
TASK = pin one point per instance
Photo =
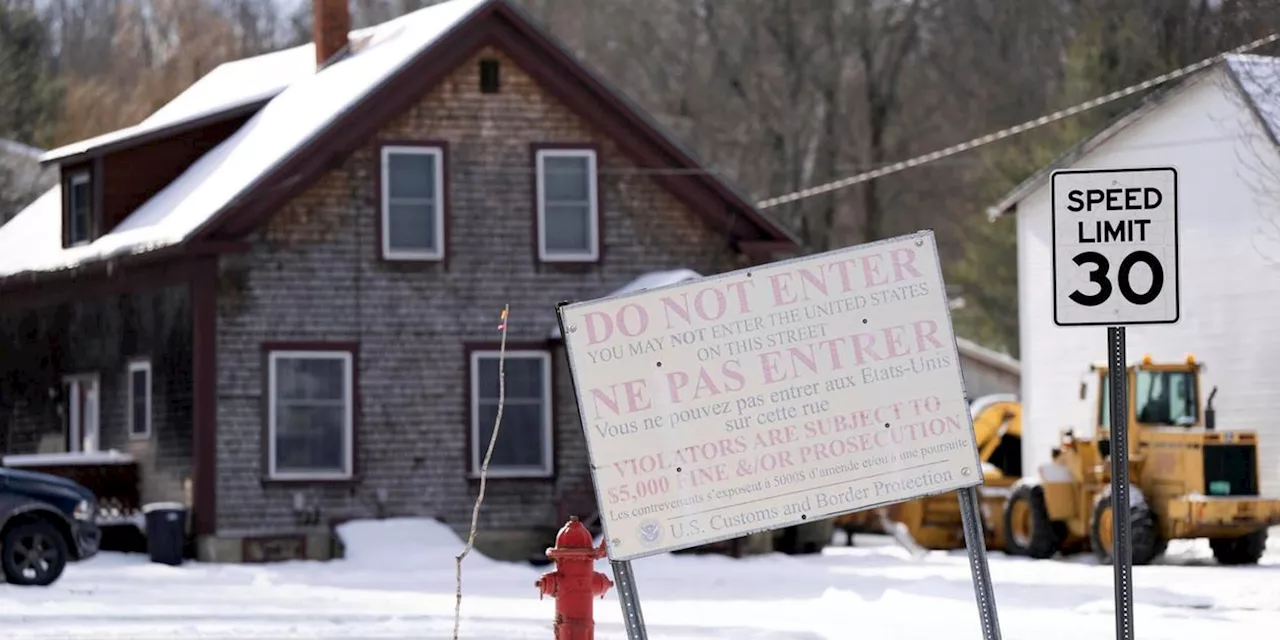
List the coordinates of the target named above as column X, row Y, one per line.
column 1115, row 263
column 773, row 397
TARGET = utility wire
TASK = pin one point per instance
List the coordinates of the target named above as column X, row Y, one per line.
column 1011, row 131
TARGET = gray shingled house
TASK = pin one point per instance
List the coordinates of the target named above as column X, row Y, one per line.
column 275, row 299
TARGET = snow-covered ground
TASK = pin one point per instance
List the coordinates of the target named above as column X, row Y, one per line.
column 398, row 582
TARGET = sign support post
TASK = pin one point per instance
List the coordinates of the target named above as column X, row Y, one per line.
column 1121, row 545
column 631, row 614
column 1115, row 263
column 976, row 546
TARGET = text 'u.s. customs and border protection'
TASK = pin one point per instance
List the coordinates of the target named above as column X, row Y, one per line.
column 770, row 397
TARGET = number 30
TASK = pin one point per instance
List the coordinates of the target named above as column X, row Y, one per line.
column 1098, row 276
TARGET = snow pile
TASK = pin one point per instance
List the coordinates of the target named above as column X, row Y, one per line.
column 405, row 543
column 397, row 581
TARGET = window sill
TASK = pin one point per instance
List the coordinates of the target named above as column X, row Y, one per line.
column 577, row 258
column 474, row 476
column 139, row 437
column 310, row 479
column 410, row 255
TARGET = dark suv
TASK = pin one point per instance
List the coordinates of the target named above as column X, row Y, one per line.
column 45, row 522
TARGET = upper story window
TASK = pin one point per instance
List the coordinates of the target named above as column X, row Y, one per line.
column 568, row 208
column 413, row 196
column 79, row 202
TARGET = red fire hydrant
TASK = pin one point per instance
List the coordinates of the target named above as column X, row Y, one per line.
column 574, row 582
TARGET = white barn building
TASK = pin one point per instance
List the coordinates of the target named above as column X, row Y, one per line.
column 1221, row 130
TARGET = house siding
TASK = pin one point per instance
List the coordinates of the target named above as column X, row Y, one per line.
column 1227, row 172
column 314, row 273
column 101, row 335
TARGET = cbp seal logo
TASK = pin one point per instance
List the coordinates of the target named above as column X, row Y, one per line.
column 650, row 532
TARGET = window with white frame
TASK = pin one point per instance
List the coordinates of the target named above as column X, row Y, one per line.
column 568, row 215
column 79, row 218
column 139, row 409
column 413, row 202
column 524, row 438
column 311, row 417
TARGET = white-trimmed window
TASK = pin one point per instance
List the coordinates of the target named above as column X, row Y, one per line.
column 138, row 379
column 79, row 218
column 568, row 211
column 413, row 202
column 524, row 441
column 310, row 415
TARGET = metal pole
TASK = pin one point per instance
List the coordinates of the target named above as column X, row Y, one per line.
column 975, row 543
column 631, row 615
column 1121, row 546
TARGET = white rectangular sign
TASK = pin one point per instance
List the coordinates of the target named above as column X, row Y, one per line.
column 1115, row 246
column 771, row 396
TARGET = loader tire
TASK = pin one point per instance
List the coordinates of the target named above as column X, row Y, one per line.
column 1246, row 549
column 1144, row 539
column 1028, row 531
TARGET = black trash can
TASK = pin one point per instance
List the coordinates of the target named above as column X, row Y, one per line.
column 166, row 531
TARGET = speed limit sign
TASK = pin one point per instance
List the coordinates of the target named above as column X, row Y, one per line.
column 1115, row 246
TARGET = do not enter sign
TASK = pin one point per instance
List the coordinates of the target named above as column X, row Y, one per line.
column 1115, row 246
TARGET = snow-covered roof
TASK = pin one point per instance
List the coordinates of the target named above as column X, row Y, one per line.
column 66, row 459
column 15, row 148
column 32, row 241
column 229, row 86
column 991, row 357
column 650, row 280
column 1257, row 78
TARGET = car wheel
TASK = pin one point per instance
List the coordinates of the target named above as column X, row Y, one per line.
column 33, row 554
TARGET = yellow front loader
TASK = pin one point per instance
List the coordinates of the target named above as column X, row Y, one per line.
column 1187, row 478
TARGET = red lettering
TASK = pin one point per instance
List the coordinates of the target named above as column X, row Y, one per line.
column 676, row 380
column 769, row 367
column 633, row 391
column 610, row 401
column 818, row 280
column 871, row 269
column 904, row 261
column 863, row 345
column 925, row 331
column 893, row 342
column 780, row 283
column 642, row 319
column 635, row 395
column 700, row 305
column 669, row 305
column 732, row 369
column 594, row 330
column 740, row 290
column 705, row 384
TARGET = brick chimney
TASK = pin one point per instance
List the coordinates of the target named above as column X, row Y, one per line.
column 331, row 22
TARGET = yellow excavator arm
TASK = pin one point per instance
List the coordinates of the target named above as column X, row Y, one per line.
column 994, row 417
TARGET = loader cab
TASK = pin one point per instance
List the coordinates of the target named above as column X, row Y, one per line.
column 1160, row 395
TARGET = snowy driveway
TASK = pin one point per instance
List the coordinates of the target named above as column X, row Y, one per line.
column 398, row 583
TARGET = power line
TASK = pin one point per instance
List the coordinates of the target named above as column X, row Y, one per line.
column 1011, row 131
column 483, row 170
